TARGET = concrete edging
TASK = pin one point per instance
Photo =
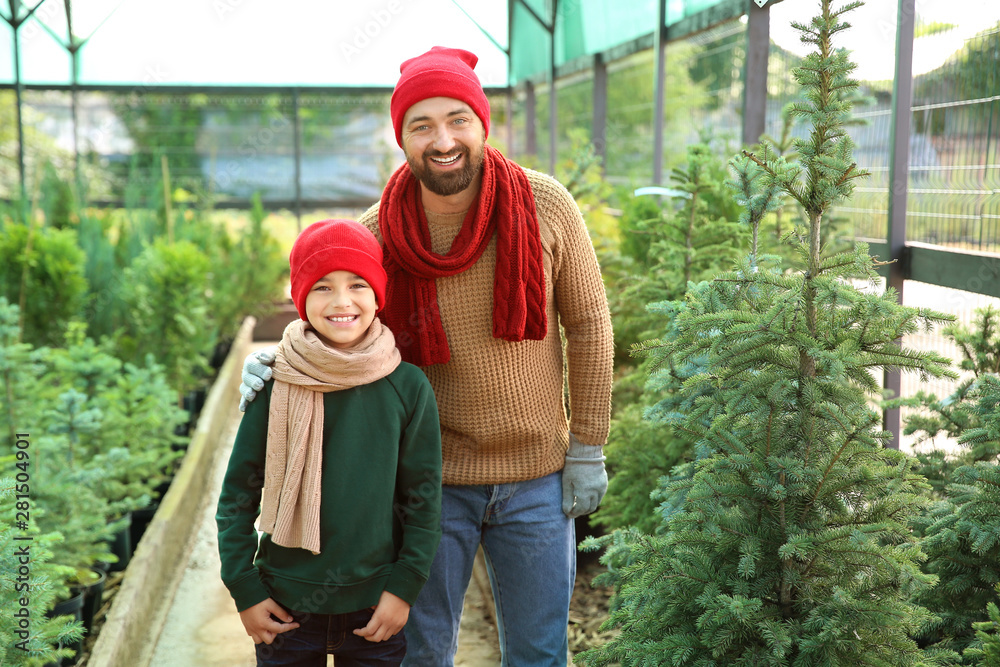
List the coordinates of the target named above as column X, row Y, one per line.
column 128, row 637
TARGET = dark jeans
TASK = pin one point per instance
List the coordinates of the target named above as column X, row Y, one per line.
column 322, row 634
column 530, row 550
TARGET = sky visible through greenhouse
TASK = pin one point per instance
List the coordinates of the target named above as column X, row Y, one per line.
column 362, row 43
column 872, row 37
column 252, row 42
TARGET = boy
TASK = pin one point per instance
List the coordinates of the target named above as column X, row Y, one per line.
column 343, row 462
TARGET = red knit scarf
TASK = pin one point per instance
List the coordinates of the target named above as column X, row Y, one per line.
column 505, row 205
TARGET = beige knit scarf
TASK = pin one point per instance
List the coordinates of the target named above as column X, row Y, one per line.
column 304, row 369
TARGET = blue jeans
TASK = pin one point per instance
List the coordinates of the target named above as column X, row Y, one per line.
column 320, row 634
column 530, row 549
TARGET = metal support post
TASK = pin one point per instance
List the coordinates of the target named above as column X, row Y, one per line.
column 755, row 72
column 599, row 125
column 75, row 106
column 16, row 25
column 658, row 91
column 297, row 133
column 553, row 105
column 530, row 119
column 509, row 118
column 902, row 100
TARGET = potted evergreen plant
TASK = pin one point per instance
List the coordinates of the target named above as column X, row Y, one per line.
column 25, row 629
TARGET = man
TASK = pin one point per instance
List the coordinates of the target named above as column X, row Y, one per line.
column 485, row 261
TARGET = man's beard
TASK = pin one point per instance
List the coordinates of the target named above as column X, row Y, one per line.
column 447, row 183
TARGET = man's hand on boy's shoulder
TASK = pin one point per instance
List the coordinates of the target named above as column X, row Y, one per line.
column 259, row 624
column 390, row 616
column 256, row 371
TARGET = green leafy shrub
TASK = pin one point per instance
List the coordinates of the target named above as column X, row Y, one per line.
column 104, row 311
column 638, row 454
column 67, row 485
column 138, row 434
column 637, row 214
column 41, row 269
column 21, row 368
column 166, row 292
column 57, row 201
column 59, row 420
column 246, row 274
column 134, row 413
column 102, row 431
column 961, row 537
column 246, row 269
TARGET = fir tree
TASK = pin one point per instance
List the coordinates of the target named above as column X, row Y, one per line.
column 688, row 242
column 987, row 652
column 961, row 532
column 836, row 233
column 792, row 545
column 960, row 413
column 643, row 449
column 671, row 245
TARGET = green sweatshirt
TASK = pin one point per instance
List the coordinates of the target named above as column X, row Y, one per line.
column 381, row 502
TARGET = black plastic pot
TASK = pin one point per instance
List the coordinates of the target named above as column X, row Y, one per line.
column 161, row 490
column 140, row 521
column 72, row 607
column 194, row 401
column 220, row 353
column 121, row 545
column 93, row 595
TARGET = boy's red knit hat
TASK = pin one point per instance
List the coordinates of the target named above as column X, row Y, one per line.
column 441, row 72
column 335, row 245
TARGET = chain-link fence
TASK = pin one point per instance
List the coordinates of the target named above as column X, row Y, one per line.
column 308, row 149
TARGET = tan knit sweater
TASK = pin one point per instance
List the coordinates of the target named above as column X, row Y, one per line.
column 501, row 404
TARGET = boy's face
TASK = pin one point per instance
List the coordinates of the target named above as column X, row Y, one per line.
column 341, row 307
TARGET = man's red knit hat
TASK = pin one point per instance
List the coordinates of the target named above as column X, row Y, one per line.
column 441, row 72
column 335, row 245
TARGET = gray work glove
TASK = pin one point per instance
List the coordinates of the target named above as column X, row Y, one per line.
column 256, row 371
column 584, row 479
